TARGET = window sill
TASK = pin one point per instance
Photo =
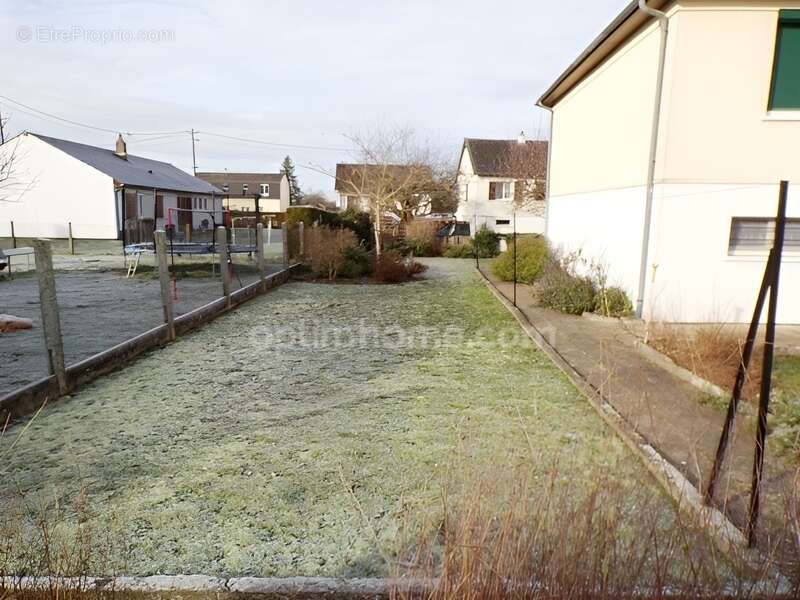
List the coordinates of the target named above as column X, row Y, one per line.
column 789, row 256
column 782, row 115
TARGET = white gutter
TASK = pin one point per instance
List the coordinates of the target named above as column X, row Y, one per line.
column 651, row 166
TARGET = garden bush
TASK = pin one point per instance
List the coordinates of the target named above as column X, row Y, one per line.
column 357, row 263
column 325, row 250
column 566, row 293
column 613, row 302
column 533, row 255
column 421, row 238
column 421, row 247
column 460, row 251
column 391, row 267
column 486, row 242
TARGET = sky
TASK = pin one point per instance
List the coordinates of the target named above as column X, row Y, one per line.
column 300, row 76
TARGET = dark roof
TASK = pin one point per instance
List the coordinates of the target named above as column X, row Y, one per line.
column 135, row 171
column 630, row 20
column 347, row 172
column 235, row 181
column 508, row 158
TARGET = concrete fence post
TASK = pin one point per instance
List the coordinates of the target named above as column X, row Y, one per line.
column 301, row 228
column 269, row 231
column 187, row 232
column 262, row 274
column 13, row 236
column 51, row 323
column 224, row 270
column 285, row 231
column 71, row 239
column 163, row 277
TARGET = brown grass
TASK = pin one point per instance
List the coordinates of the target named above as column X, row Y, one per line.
column 713, row 352
column 608, row 542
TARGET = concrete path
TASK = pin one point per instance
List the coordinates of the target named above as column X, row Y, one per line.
column 664, row 409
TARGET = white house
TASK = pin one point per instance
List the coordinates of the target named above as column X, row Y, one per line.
column 102, row 194
column 497, row 178
column 665, row 159
column 266, row 193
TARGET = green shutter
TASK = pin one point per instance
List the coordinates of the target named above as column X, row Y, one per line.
column 786, row 77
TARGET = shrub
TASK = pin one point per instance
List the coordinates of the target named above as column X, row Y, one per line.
column 460, row 251
column 421, row 247
column 324, row 251
column 564, row 292
column 613, row 302
column 486, row 242
column 391, row 267
column 357, row 263
column 360, row 223
column 533, row 255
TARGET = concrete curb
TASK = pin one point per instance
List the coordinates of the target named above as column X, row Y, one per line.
column 666, row 363
column 728, row 538
column 207, row 587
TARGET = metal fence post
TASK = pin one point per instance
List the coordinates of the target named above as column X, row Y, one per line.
column 54, row 345
column 262, row 275
column 224, row 270
column 285, row 232
column 163, row 276
column 301, row 231
column 71, row 239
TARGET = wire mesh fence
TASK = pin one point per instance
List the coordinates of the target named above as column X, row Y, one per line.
column 105, row 303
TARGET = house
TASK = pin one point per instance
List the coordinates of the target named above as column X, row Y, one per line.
column 266, row 193
column 498, row 178
column 355, row 183
column 57, row 185
column 665, row 164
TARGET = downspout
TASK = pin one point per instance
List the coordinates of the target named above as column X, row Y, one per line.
column 663, row 20
column 547, row 174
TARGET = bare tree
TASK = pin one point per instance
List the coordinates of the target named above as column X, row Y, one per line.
column 526, row 162
column 395, row 174
column 8, row 156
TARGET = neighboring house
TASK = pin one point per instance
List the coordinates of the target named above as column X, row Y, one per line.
column 100, row 193
column 728, row 131
column 354, row 182
column 497, row 178
column 252, row 192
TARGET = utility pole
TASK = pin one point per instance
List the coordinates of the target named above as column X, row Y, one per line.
column 194, row 158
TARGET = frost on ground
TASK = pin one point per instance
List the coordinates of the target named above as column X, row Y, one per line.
column 301, row 434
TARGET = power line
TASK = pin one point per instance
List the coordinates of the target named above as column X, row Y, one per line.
column 85, row 125
column 265, row 143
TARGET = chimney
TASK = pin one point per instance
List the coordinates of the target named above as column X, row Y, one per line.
column 122, row 148
column 521, row 138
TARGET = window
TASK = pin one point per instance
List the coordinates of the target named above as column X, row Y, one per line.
column 499, row 190
column 785, row 92
column 244, row 189
column 225, row 188
column 502, row 222
column 757, row 234
column 265, row 189
column 159, row 207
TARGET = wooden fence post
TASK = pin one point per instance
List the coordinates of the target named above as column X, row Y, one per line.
column 262, row 275
column 163, row 276
column 285, row 231
column 187, row 232
column 224, row 270
column 71, row 240
column 51, row 324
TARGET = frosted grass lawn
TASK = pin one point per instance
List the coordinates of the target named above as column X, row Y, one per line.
column 308, row 431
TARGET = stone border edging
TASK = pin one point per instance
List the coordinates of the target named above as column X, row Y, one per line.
column 723, row 532
column 28, row 399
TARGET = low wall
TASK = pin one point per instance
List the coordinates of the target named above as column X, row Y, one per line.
column 27, row 400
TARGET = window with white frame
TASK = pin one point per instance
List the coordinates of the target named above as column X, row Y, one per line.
column 500, row 190
column 758, row 233
column 244, row 189
column 265, row 189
